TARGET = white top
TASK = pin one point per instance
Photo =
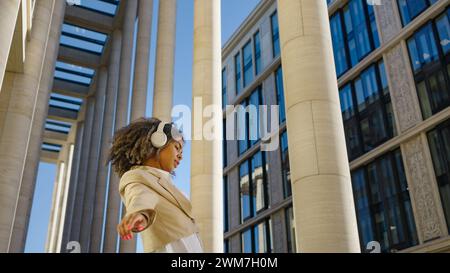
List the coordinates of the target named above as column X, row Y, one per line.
column 189, row 244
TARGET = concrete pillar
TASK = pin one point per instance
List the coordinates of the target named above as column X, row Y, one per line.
column 18, row 119
column 107, row 127
column 67, row 225
column 165, row 55
column 9, row 9
column 112, row 216
column 206, row 161
column 321, row 185
column 65, row 191
column 140, row 86
column 48, row 241
column 91, row 178
column 64, row 171
column 28, row 183
column 76, row 227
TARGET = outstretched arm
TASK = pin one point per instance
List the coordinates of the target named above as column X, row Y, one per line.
column 140, row 202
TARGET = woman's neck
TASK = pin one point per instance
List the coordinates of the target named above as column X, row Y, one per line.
column 153, row 163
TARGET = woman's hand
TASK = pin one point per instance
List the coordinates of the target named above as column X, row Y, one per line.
column 134, row 222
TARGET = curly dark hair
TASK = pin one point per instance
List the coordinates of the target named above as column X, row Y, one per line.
column 132, row 146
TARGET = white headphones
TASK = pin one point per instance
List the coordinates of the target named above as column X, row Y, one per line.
column 159, row 138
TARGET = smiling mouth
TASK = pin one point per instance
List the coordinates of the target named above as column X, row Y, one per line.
column 176, row 163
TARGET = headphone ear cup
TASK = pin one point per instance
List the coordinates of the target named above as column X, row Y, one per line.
column 158, row 139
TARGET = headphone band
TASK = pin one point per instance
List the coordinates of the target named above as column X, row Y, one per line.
column 161, row 126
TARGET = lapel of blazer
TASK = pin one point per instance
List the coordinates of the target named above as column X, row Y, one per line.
column 173, row 194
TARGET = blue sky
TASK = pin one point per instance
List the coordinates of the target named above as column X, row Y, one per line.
column 234, row 13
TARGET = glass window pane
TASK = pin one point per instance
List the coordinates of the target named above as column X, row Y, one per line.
column 258, row 183
column 246, row 239
column 237, row 69
column 275, row 35
column 257, row 43
column 443, row 27
column 280, row 94
column 248, row 63
column 244, row 184
column 261, row 242
column 337, row 35
column 424, row 101
column 346, row 99
column 373, row 130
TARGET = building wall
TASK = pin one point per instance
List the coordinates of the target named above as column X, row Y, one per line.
column 410, row 136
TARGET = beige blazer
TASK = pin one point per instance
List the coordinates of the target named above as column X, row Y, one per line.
column 145, row 189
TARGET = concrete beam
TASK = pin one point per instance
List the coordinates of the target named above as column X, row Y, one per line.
column 49, row 157
column 78, row 57
column 61, row 114
column 70, row 88
column 89, row 19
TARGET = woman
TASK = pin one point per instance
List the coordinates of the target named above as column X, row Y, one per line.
column 144, row 154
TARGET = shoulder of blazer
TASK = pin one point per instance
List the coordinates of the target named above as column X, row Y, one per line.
column 139, row 176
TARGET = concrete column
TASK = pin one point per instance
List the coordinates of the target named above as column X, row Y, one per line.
column 65, row 191
column 58, row 191
column 9, row 9
column 65, row 163
column 165, row 55
column 112, row 217
column 48, row 241
column 321, row 185
column 91, row 178
column 107, row 127
column 18, row 119
column 76, row 227
column 206, row 161
column 67, row 224
column 28, row 183
column 140, row 86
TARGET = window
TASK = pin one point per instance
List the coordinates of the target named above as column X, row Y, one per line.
column 354, row 34
column 383, row 205
column 257, row 45
column 73, row 73
column 226, row 246
column 254, row 117
column 439, row 140
column 290, row 226
column 242, row 132
column 237, row 69
column 224, row 144
column 280, row 94
column 244, row 185
column 82, row 39
column 253, row 186
column 443, row 28
column 367, row 111
column 248, row 121
column 275, row 35
column 411, row 9
column 66, row 103
column 430, row 61
column 257, row 239
column 108, row 7
column 225, row 204
column 259, row 183
column 246, row 239
column 285, row 167
column 224, row 88
column 248, row 63
column 339, row 49
column 57, row 126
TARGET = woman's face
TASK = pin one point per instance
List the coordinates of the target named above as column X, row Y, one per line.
column 170, row 157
